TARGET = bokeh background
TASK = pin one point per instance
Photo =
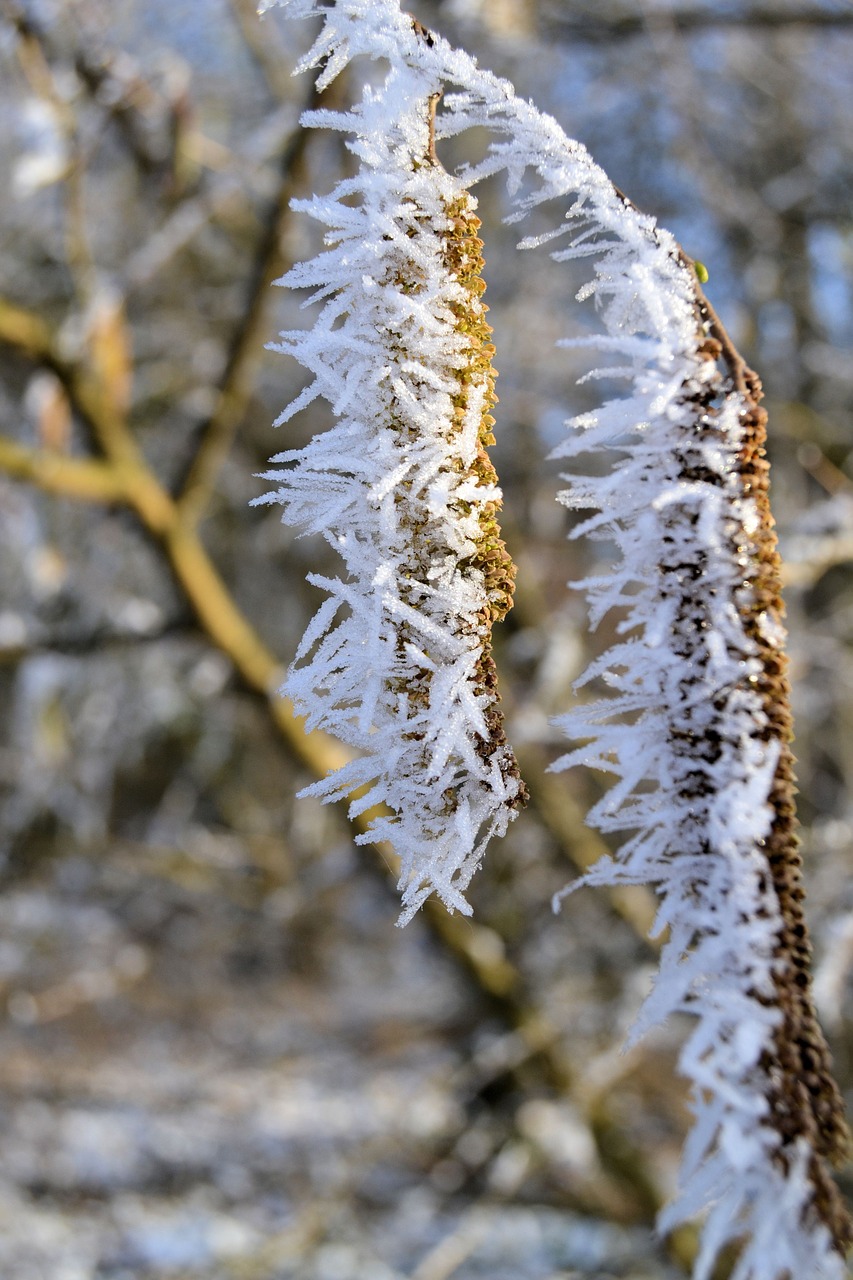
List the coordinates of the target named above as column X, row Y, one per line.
column 218, row 1056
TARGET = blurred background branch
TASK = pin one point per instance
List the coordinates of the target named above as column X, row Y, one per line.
column 618, row 26
column 246, row 346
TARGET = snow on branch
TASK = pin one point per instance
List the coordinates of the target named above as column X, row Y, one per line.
column 693, row 720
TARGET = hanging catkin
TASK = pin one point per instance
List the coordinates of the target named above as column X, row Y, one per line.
column 399, row 658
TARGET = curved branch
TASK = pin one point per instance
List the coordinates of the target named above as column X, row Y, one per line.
column 126, row 477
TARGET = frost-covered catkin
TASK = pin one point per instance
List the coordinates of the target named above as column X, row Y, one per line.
column 695, row 725
column 397, row 661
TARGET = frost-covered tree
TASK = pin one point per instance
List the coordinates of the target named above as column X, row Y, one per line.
column 693, row 721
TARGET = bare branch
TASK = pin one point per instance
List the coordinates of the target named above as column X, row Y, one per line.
column 558, row 21
column 256, row 39
column 247, row 343
column 34, row 59
column 128, row 477
column 83, row 479
column 128, row 98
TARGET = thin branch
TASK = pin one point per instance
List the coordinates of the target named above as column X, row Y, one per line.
column 432, row 154
column 558, row 21
column 124, row 102
column 83, row 479
column 95, row 642
column 143, row 493
column 255, row 37
column 247, row 343
column 34, row 58
column 828, row 554
column 96, row 402
column 26, row 332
